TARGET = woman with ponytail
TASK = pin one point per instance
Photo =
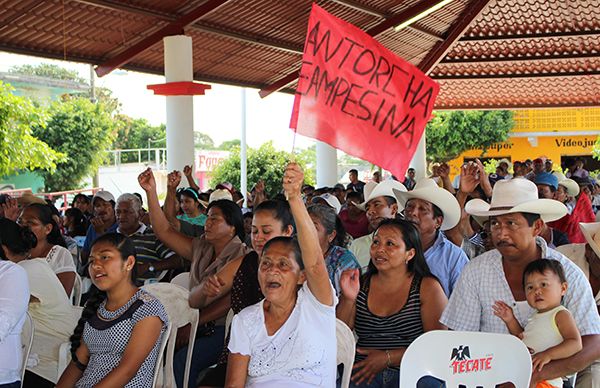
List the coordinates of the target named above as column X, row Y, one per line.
column 117, row 339
column 51, row 245
column 49, row 307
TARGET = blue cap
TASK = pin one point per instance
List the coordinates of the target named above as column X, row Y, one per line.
column 546, row 178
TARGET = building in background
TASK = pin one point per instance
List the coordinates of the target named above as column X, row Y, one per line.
column 561, row 135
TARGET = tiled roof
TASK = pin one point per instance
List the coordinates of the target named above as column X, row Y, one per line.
column 511, row 54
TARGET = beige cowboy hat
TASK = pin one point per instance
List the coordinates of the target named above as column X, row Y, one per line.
column 569, row 184
column 385, row 188
column 427, row 190
column 517, row 196
column 591, row 232
column 505, row 160
column 28, row 199
column 218, row 195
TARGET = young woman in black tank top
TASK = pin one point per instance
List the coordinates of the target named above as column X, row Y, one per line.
column 391, row 305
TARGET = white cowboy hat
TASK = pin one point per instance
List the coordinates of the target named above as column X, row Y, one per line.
column 217, row 195
column 385, row 188
column 427, row 190
column 505, row 160
column 517, row 196
column 569, row 184
column 591, row 232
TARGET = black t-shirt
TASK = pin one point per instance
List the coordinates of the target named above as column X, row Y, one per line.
column 358, row 186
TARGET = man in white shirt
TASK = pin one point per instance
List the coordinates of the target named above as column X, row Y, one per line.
column 517, row 217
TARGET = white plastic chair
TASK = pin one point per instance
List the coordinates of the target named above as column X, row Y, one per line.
column 27, row 340
column 183, row 280
column 77, row 290
column 64, row 351
column 158, row 380
column 472, row 359
column 346, row 346
column 228, row 320
column 175, row 300
column 157, row 279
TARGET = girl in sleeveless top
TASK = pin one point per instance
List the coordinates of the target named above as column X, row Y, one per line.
column 391, row 305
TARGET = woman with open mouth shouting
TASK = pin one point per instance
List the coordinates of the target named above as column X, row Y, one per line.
column 288, row 339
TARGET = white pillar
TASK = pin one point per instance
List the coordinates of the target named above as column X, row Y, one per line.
column 418, row 162
column 180, row 109
column 326, row 165
column 243, row 156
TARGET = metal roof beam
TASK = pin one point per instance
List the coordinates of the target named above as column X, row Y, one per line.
column 386, row 24
column 173, row 28
column 434, row 56
column 541, row 35
column 384, row 15
column 199, row 26
column 551, row 57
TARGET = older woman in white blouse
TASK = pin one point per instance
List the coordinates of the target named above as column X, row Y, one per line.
column 288, row 339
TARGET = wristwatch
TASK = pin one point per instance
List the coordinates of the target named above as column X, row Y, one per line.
column 151, row 268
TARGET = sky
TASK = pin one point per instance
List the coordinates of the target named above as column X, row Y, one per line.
column 218, row 113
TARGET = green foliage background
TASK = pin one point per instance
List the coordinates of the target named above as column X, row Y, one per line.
column 82, row 131
column 19, row 149
column 264, row 163
column 449, row 134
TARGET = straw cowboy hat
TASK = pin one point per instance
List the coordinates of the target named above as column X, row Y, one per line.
column 427, row 190
column 504, row 160
column 569, row 184
column 28, row 198
column 217, row 195
column 591, row 232
column 385, row 188
column 517, row 196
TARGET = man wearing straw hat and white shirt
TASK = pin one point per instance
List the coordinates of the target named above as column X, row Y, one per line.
column 434, row 210
column 587, row 257
column 517, row 216
column 380, row 203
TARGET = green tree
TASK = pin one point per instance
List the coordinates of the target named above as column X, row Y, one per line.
column 82, row 131
column 19, row 149
column 203, row 142
column 137, row 133
column 264, row 163
column 228, row 145
column 48, row 71
column 103, row 95
column 449, row 134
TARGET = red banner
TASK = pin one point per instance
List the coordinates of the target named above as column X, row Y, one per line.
column 358, row 96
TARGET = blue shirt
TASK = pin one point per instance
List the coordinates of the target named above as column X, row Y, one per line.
column 91, row 235
column 338, row 260
column 446, row 262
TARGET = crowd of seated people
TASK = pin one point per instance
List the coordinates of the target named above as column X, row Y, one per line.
column 390, row 260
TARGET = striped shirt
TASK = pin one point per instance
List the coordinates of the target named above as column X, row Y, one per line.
column 392, row 332
column 148, row 248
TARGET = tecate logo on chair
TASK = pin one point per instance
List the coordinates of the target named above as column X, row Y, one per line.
column 462, row 362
